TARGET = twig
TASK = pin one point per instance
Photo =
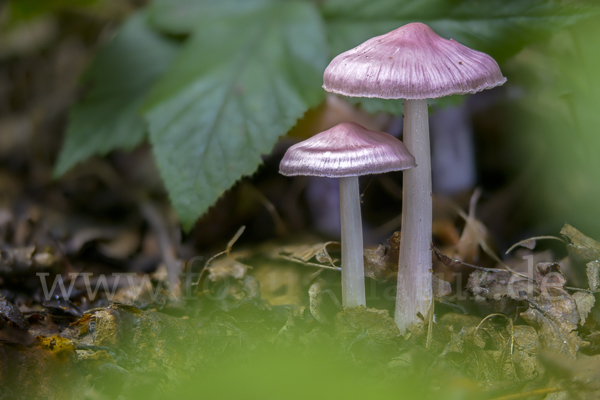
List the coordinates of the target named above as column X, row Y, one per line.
column 280, row 228
column 512, row 329
column 226, row 251
column 165, row 245
column 234, row 239
column 481, row 241
column 581, row 290
column 450, row 304
column 451, row 263
column 325, row 266
column 524, row 242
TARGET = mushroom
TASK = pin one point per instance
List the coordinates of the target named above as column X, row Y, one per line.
column 347, row 151
column 413, row 63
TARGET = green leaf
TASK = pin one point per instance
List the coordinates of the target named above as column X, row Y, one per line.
column 499, row 28
column 121, row 76
column 239, row 84
column 183, row 16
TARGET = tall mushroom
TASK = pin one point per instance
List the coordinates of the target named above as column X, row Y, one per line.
column 413, row 63
column 347, row 151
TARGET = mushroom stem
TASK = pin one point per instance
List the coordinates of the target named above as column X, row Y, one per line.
column 353, row 269
column 414, row 293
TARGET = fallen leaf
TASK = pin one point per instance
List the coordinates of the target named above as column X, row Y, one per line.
column 304, row 253
column 9, row 313
column 322, row 302
column 474, row 234
column 367, row 333
column 441, row 288
column 279, row 283
column 554, row 314
column 583, row 248
column 380, row 264
column 58, row 345
column 584, row 301
column 499, row 284
column 592, row 274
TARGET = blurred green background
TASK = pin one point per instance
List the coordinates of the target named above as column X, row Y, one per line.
column 554, row 126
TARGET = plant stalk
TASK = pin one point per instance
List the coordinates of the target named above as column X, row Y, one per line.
column 353, row 268
column 414, row 293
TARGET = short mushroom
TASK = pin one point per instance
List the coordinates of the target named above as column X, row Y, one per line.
column 347, row 151
column 413, row 63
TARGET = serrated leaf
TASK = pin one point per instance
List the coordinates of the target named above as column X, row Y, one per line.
column 121, row 76
column 593, row 267
column 239, row 84
column 499, row 28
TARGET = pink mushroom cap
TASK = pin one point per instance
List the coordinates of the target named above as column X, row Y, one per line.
column 411, row 62
column 347, row 149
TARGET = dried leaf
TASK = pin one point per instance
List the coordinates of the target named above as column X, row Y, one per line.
column 323, row 256
column 592, row 274
column 555, row 315
column 447, row 261
column 525, row 349
column 556, row 308
column 19, row 258
column 495, row 285
column 58, row 345
column 584, row 301
column 526, row 345
column 304, row 253
column 441, row 288
column 474, row 236
column 62, row 308
column 456, row 322
column 483, row 353
column 381, row 265
column 279, row 284
column 121, row 246
column 366, row 330
column 548, row 275
column 160, row 342
column 9, row 313
column 323, row 302
column 583, row 248
column 249, row 292
column 87, row 235
column 288, row 334
column 228, row 266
